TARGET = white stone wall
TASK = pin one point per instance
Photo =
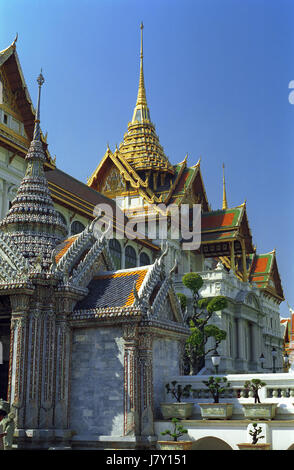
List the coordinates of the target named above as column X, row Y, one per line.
column 97, row 379
column 165, row 363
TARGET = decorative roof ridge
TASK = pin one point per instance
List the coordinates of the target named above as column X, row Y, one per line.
column 80, row 273
column 123, row 170
column 80, row 244
column 105, row 313
column 166, row 285
column 152, row 277
column 146, row 192
column 131, row 169
column 223, row 210
column 6, row 53
column 173, row 187
column 100, row 164
column 197, row 164
column 273, row 252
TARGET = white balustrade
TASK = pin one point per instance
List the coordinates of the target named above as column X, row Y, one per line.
column 279, row 389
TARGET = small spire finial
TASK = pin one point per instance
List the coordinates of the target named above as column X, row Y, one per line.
column 225, row 204
column 37, row 132
column 141, row 27
column 141, row 98
column 40, row 79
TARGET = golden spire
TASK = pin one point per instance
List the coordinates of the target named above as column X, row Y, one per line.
column 225, row 204
column 141, row 98
column 141, row 111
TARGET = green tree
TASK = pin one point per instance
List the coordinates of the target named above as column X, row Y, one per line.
column 201, row 330
column 178, row 430
column 254, row 385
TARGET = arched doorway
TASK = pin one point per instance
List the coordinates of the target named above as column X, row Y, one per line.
column 211, row 443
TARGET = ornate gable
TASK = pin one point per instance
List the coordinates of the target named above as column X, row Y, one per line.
column 113, row 182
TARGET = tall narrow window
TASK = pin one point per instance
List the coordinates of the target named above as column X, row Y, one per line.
column 144, row 259
column 130, row 257
column 115, row 250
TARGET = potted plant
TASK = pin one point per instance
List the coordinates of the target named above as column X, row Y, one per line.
column 254, row 445
column 179, row 409
column 216, row 410
column 173, row 444
column 257, row 410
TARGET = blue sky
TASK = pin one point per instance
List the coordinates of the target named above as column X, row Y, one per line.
column 216, row 75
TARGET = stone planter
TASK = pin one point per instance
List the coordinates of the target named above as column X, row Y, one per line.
column 216, row 410
column 254, row 446
column 259, row 410
column 177, row 410
column 175, row 445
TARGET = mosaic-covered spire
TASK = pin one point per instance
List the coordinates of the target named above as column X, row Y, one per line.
column 32, row 221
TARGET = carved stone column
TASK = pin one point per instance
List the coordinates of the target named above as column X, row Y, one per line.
column 64, row 305
column 146, row 384
column 131, row 382
column 47, row 355
column 17, row 384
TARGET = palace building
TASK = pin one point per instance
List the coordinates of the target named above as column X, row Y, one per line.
column 85, row 318
column 140, row 177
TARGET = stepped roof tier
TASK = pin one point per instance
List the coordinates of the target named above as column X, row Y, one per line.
column 32, row 222
column 263, row 271
column 226, row 225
